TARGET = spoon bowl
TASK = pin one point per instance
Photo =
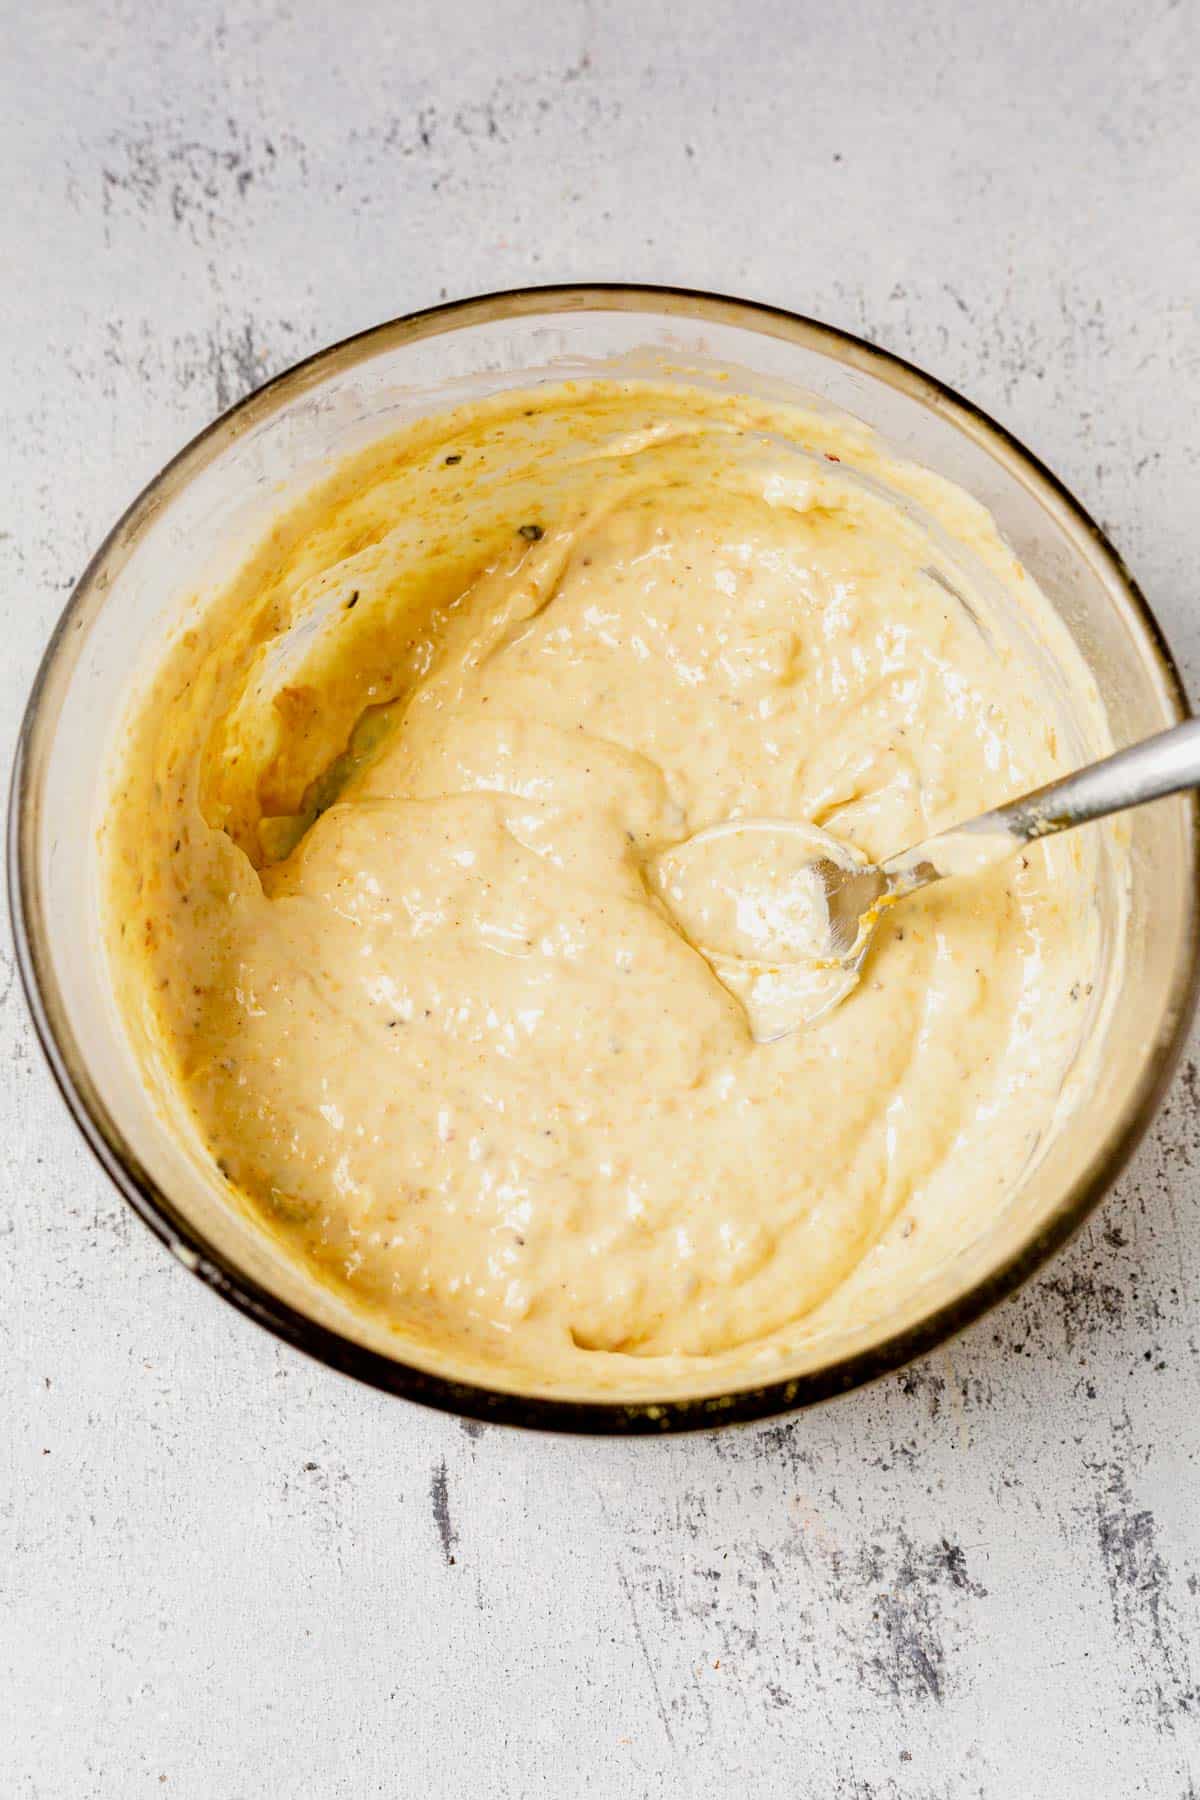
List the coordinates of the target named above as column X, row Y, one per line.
column 775, row 907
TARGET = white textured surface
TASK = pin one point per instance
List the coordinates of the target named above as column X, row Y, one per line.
column 227, row 1574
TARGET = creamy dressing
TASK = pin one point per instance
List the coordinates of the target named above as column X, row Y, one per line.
column 383, row 868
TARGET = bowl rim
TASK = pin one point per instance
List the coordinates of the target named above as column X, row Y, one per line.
column 207, row 1261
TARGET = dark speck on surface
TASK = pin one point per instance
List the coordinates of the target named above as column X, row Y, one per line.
column 439, row 1499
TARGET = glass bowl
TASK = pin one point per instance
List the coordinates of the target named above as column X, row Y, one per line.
column 220, row 492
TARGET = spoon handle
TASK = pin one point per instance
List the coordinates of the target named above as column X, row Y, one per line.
column 1146, row 771
column 1159, row 765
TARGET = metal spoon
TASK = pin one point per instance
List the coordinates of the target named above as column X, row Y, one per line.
column 822, row 927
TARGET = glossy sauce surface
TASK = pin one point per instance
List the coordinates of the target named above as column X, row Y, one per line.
column 379, row 902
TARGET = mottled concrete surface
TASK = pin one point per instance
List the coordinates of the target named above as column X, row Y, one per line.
column 226, row 1573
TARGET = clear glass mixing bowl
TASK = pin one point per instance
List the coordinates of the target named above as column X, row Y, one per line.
column 192, row 526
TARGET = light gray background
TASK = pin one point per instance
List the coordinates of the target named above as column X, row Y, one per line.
column 222, row 1574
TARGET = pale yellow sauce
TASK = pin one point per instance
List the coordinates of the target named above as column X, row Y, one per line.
column 378, row 896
